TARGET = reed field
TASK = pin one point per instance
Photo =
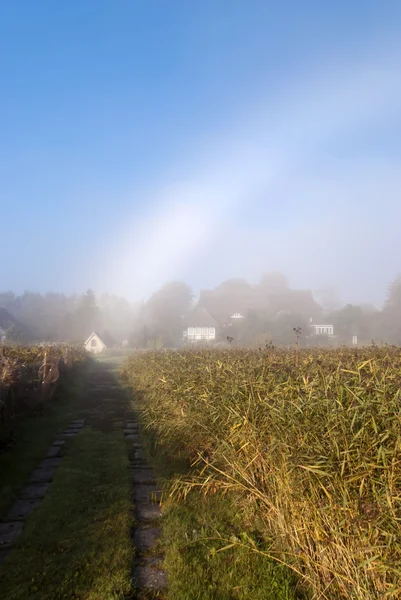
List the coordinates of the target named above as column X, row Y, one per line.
column 308, row 443
column 29, row 376
column 16, row 360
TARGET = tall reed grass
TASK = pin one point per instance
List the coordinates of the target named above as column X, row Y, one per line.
column 313, row 449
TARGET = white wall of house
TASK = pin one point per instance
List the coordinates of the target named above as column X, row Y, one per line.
column 323, row 329
column 200, row 334
column 94, row 344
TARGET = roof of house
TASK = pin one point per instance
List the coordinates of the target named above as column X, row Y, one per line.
column 222, row 304
column 200, row 317
column 9, row 323
column 92, row 335
column 105, row 338
column 298, row 301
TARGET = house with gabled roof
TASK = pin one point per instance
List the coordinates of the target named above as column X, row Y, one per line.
column 227, row 309
column 96, row 343
column 200, row 325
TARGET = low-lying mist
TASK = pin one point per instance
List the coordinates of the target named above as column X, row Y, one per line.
column 271, row 311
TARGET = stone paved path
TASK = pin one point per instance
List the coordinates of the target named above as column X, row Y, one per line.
column 148, row 574
column 32, row 494
column 104, row 410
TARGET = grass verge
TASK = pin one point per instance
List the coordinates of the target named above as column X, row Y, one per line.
column 34, row 435
column 212, row 550
column 77, row 544
column 209, row 556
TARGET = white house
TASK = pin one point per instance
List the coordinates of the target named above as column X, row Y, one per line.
column 201, row 326
column 198, row 334
column 323, row 329
column 95, row 343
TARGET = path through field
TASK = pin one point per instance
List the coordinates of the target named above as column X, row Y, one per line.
column 148, row 574
column 87, row 521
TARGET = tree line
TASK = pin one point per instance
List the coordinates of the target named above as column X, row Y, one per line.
column 272, row 310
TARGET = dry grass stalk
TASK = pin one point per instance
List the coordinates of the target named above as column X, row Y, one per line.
column 315, row 449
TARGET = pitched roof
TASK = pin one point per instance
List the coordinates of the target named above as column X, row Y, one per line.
column 200, row 317
column 105, row 338
column 298, row 301
column 222, row 305
column 9, row 323
column 92, row 335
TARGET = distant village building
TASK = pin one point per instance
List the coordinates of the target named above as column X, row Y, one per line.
column 323, row 329
column 97, row 343
column 221, row 311
column 94, row 343
column 201, row 326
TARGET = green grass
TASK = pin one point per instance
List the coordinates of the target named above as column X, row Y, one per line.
column 208, row 558
column 77, row 545
column 34, row 435
column 115, row 360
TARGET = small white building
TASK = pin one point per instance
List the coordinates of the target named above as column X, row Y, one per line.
column 198, row 334
column 95, row 343
column 201, row 326
column 323, row 329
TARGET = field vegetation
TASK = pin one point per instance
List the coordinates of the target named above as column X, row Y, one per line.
column 77, row 542
column 30, row 375
column 22, row 362
column 306, row 444
column 29, row 419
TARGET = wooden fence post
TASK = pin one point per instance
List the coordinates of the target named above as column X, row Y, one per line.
column 45, row 384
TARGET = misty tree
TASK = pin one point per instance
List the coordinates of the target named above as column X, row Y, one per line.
column 329, row 299
column 349, row 321
column 255, row 325
column 284, row 325
column 117, row 316
column 273, row 282
column 165, row 309
column 55, row 307
column 8, row 301
column 232, row 287
column 86, row 315
column 391, row 314
column 271, row 309
column 14, row 330
column 140, row 337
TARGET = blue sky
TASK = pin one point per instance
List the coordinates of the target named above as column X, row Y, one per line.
column 144, row 140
